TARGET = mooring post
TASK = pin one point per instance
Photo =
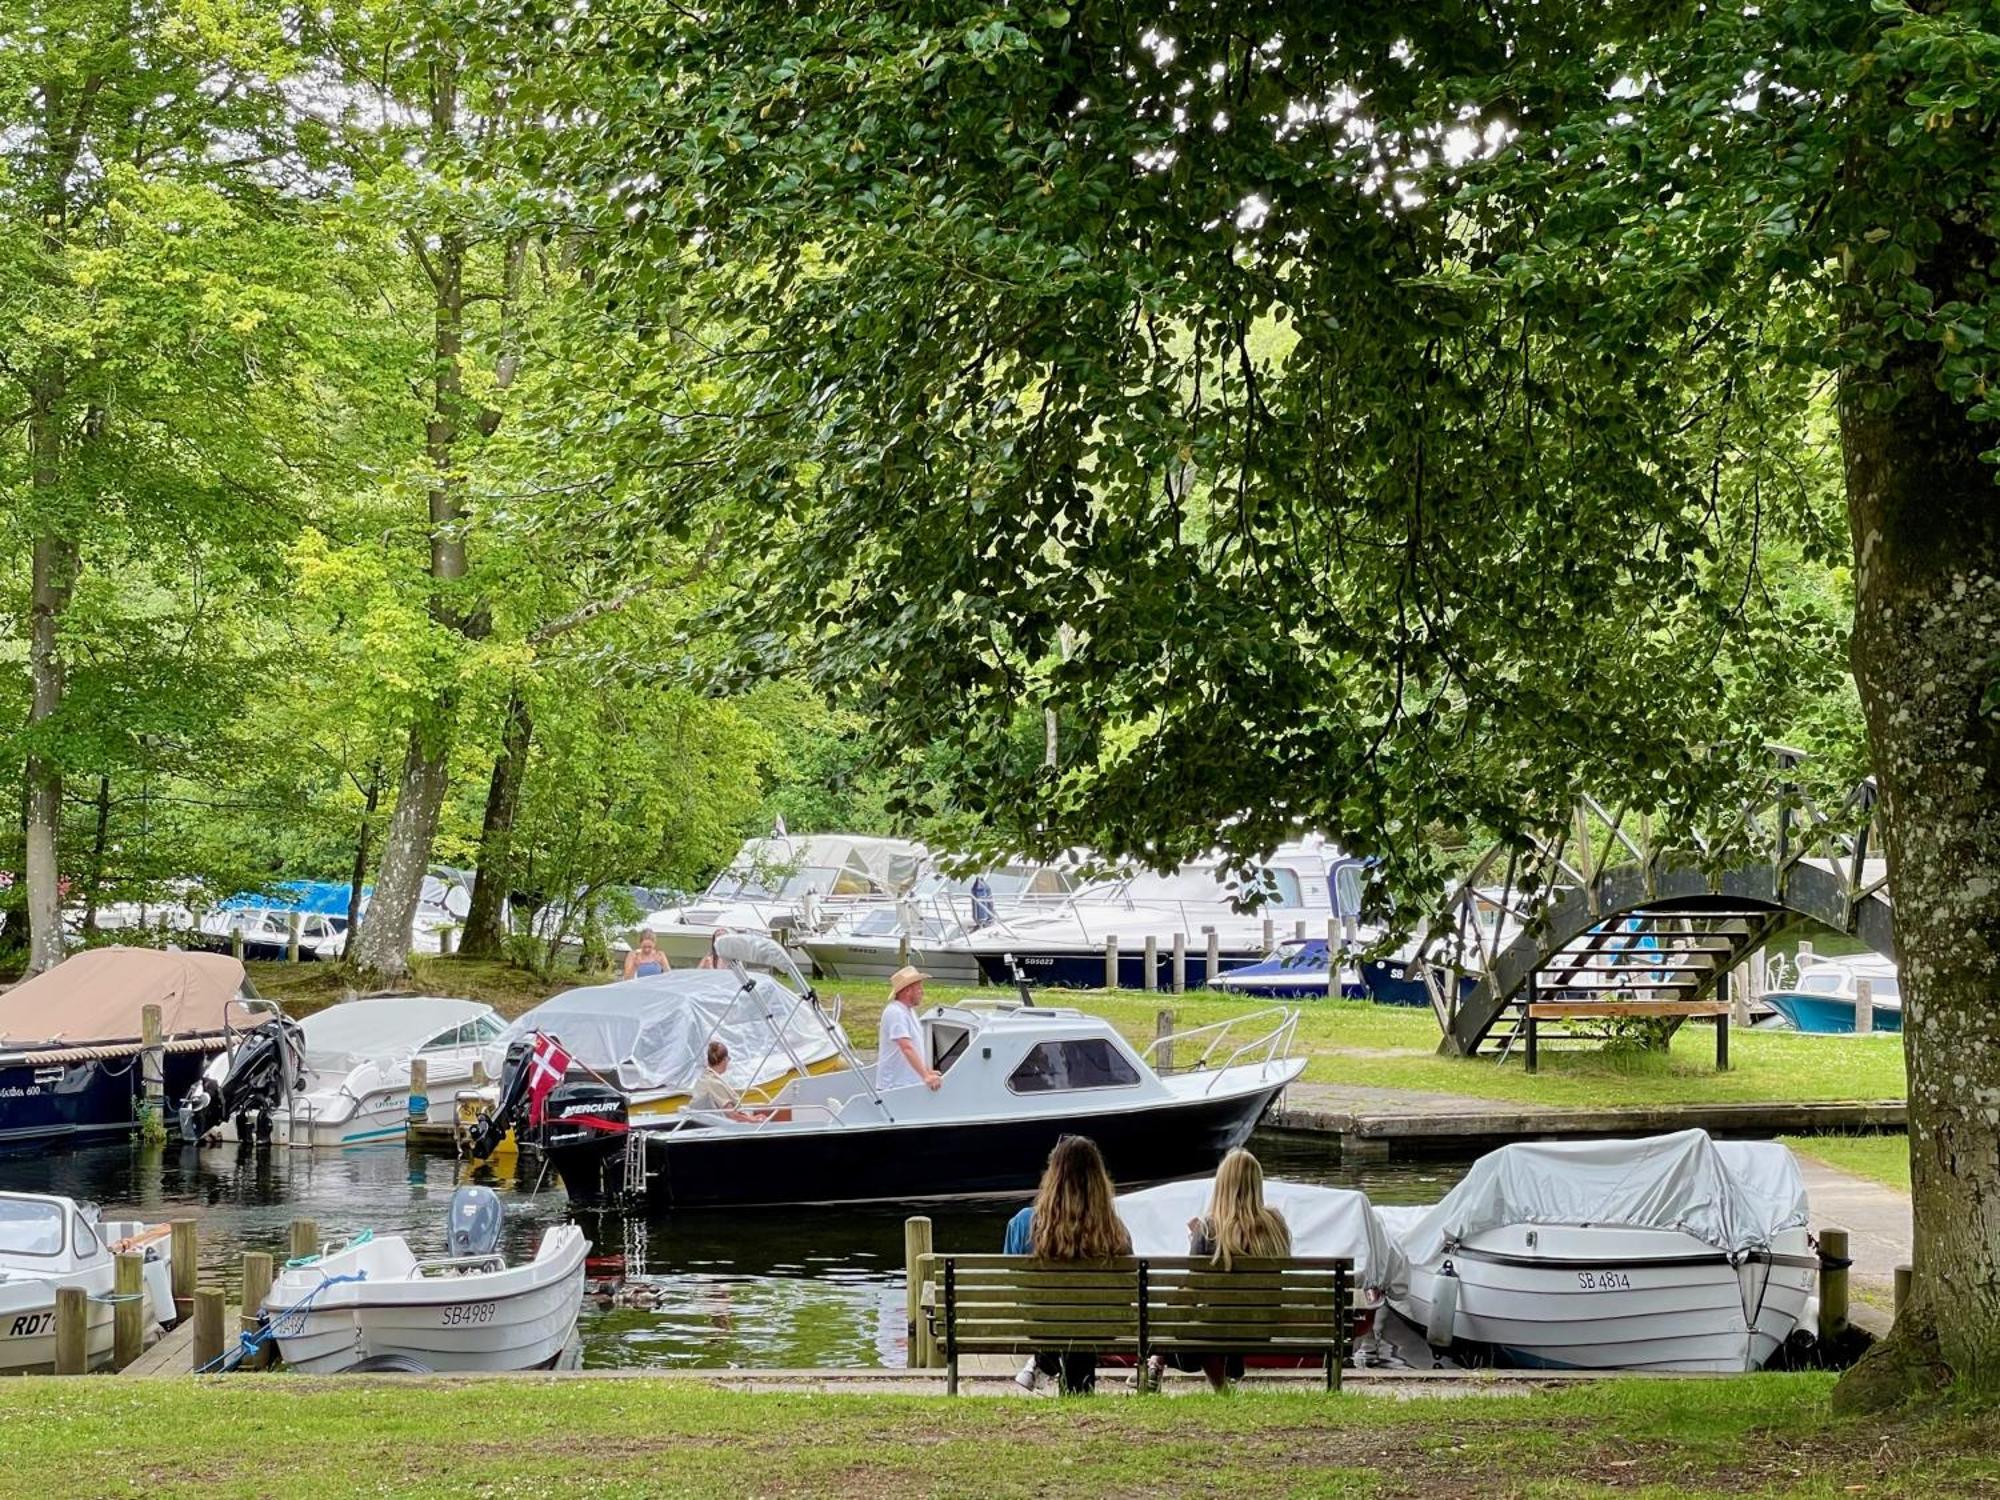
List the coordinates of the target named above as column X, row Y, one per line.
column 236, row 943
column 1270, row 934
column 152, row 1070
column 1864, row 1007
column 903, row 951
column 1832, row 1284
column 480, row 1077
column 420, row 1089
column 72, row 1330
column 1180, row 963
column 916, row 1245
column 207, row 1327
column 1110, row 962
column 128, row 1310
column 1163, row 1041
column 1299, row 929
column 447, row 940
column 185, row 1256
column 257, row 1276
column 1214, row 958
column 1150, row 978
column 305, row 1239
column 1903, row 1274
column 294, row 925
column 1805, row 954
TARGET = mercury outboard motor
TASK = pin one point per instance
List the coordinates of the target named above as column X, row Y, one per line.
column 583, row 1133
column 510, row 1105
column 267, row 1066
column 474, row 1228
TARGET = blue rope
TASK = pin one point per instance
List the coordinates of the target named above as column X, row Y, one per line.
column 250, row 1343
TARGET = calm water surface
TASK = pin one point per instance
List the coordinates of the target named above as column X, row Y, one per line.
column 815, row 1287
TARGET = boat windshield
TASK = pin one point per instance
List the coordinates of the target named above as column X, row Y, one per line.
column 1302, row 953
column 30, row 1228
column 1822, row 982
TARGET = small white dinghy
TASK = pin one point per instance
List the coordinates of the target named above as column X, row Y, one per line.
column 1671, row 1253
column 48, row 1242
column 371, row 1300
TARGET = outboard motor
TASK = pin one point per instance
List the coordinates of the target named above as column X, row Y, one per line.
column 475, row 1222
column 267, row 1066
column 510, row 1105
column 583, row 1133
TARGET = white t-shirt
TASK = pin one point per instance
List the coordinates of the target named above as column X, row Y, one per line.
column 892, row 1069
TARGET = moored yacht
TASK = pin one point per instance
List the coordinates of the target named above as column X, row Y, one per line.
column 927, row 927
column 1825, row 996
column 47, row 1243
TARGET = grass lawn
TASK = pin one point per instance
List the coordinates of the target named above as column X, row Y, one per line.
column 1879, row 1158
column 1350, row 1042
column 245, row 1436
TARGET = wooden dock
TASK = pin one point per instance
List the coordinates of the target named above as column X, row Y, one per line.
column 172, row 1355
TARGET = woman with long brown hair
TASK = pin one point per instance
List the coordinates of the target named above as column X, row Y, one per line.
column 1071, row 1219
column 1238, row 1224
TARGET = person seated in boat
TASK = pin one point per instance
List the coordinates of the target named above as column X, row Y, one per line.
column 646, row 960
column 1238, row 1223
column 899, row 1054
column 1072, row 1219
column 712, row 1091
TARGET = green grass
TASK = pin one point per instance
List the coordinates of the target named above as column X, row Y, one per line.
column 1879, row 1158
column 263, row 1436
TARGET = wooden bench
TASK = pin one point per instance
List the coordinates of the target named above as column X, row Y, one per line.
column 1595, row 1010
column 1139, row 1306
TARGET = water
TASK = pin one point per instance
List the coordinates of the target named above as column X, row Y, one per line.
column 795, row 1288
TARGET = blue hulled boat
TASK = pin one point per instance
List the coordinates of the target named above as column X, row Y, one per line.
column 1823, row 998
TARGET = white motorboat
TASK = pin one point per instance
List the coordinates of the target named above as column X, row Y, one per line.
column 1670, row 1253
column 373, row 1300
column 1016, row 1078
column 926, row 927
column 341, row 1077
column 1824, row 995
column 47, row 1243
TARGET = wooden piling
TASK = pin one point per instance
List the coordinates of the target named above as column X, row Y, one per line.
column 479, row 1075
column 1299, row 929
column 236, row 943
column 185, row 1257
column 1864, row 1007
column 1150, row 978
column 72, row 1330
column 207, row 1327
column 1270, row 934
column 1832, row 1284
column 903, row 951
column 420, row 1089
column 1214, row 957
column 257, row 1276
column 305, row 1239
column 1110, row 962
column 294, row 926
column 1163, row 1043
column 152, row 1063
column 916, row 1245
column 128, row 1313
column 1180, row 963
column 447, row 940
column 1903, row 1274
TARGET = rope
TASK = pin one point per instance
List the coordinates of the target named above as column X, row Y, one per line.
column 291, row 1318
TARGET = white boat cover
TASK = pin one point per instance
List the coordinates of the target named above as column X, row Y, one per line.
column 342, row 1037
column 653, row 1033
column 1323, row 1221
column 1732, row 1195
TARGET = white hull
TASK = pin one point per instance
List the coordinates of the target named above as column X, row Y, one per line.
column 859, row 958
column 513, row 1318
column 1624, row 1299
column 28, row 1306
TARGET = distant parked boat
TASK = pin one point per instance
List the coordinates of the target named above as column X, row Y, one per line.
column 1822, row 998
column 1297, row 969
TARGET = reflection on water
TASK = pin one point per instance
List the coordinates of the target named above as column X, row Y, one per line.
column 768, row 1288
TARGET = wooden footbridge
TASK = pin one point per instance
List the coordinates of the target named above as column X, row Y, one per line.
column 1602, row 911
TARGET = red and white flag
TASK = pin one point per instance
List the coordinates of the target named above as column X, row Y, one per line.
column 546, row 1066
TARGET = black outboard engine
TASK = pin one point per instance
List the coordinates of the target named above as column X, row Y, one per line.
column 474, row 1228
column 510, row 1106
column 583, row 1133
column 267, row 1066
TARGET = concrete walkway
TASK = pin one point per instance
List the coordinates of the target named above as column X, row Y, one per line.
column 1879, row 1235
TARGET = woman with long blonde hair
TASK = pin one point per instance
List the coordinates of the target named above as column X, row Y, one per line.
column 1071, row 1219
column 1238, row 1225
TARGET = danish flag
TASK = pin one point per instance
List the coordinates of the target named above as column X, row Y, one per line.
column 546, row 1066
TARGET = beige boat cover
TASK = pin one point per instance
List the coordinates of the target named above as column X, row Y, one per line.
column 98, row 996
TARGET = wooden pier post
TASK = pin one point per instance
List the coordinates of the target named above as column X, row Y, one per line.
column 1864, row 1007
column 128, row 1313
column 236, row 943
column 1180, row 963
column 420, row 1089
column 72, row 1330
column 1832, row 1284
column 1214, row 958
column 1299, row 929
column 294, row 925
column 903, row 951
column 1270, row 934
column 916, row 1245
column 1903, row 1274
column 1150, row 979
column 152, row 1061
column 305, row 1239
column 207, row 1327
column 185, row 1257
column 479, row 1075
column 257, row 1276
column 1163, row 1048
column 1110, row 962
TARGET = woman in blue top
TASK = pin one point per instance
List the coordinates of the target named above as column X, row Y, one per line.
column 1072, row 1218
column 646, row 960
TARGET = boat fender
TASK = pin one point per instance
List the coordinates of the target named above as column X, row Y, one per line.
column 1444, row 1308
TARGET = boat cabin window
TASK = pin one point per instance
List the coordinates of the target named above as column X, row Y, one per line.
column 1092, row 1063
column 948, row 1044
column 28, row 1228
column 474, row 1033
column 86, row 1238
column 1823, row 982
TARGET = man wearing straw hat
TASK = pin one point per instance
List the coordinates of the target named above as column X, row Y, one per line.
column 899, row 1056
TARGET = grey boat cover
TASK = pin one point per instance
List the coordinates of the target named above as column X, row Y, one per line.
column 1732, row 1195
column 653, row 1033
column 1323, row 1221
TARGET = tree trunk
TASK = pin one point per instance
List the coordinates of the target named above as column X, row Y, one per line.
column 1926, row 523
column 485, row 925
column 384, row 944
column 93, row 883
column 361, row 841
column 54, row 574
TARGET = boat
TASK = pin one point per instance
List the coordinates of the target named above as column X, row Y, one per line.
column 371, row 1300
column 71, row 1038
column 925, row 926
column 340, row 1077
column 647, row 1040
column 1016, row 1078
column 1823, row 998
column 1675, row 1252
column 48, row 1242
column 1297, row 969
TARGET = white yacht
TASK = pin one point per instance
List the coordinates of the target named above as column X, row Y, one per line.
column 46, row 1243
column 928, row 926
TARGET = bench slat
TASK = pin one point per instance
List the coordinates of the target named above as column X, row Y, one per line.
column 1191, row 1317
column 1583, row 1010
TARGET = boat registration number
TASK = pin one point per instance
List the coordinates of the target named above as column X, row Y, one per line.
column 459, row 1314
column 1604, row 1281
column 31, row 1325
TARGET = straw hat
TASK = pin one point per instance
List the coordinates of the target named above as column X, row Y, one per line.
column 903, row 978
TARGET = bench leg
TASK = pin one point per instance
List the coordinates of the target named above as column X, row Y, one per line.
column 1722, row 1044
column 1531, row 1059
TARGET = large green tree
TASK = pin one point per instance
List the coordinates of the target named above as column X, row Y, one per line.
column 1371, row 416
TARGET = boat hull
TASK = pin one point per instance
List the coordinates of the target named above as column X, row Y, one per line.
column 1828, row 1015
column 902, row 1163
column 838, row 958
column 1394, row 981
column 1083, row 968
column 84, row 1101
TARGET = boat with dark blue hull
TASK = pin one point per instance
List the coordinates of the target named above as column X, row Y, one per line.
column 71, row 1040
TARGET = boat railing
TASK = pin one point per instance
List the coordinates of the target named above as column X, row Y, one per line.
column 1225, row 1039
column 458, row 1265
column 687, row 1118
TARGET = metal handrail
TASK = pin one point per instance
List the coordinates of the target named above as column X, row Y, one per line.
column 1271, row 1042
